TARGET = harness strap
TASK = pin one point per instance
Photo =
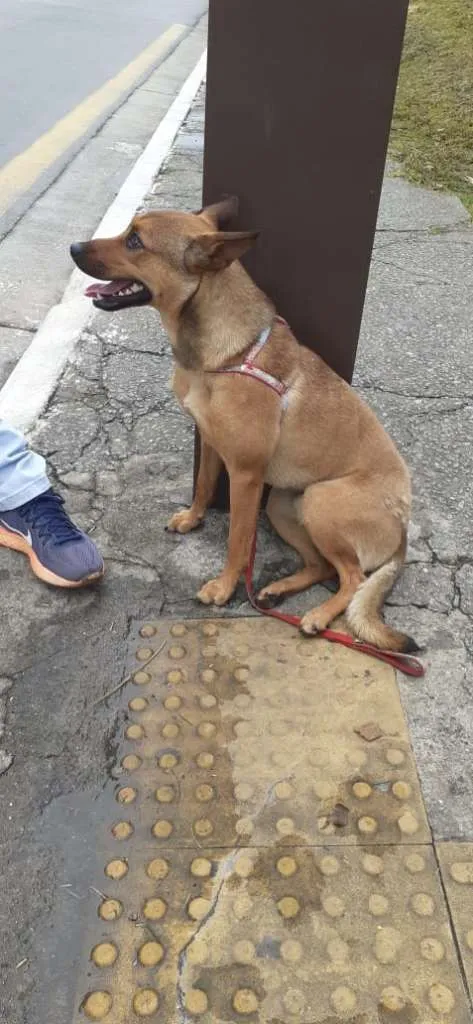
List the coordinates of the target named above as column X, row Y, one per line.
column 405, row 663
column 248, row 369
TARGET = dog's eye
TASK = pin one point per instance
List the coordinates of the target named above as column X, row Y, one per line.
column 134, row 241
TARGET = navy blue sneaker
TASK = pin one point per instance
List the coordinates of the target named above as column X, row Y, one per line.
column 58, row 551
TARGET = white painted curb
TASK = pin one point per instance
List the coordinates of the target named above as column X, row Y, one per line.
column 29, row 386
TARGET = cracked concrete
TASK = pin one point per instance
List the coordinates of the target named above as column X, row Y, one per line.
column 121, row 452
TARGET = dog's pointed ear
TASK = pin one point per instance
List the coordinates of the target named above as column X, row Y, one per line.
column 221, row 213
column 217, row 250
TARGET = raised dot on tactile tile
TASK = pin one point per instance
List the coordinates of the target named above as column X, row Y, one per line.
column 207, row 701
column 357, row 758
column 162, row 829
column 203, row 828
column 367, row 825
column 198, row 952
column 208, row 675
column 325, row 790
column 172, row 703
column 242, row 907
column 168, row 761
column 414, row 863
column 122, row 830
column 196, row 1001
column 204, row 793
column 165, row 794
column 372, row 864
column 134, row 732
column 105, row 954
column 141, row 678
column 131, row 762
column 362, row 790
column 170, row 731
column 205, row 760
column 244, row 866
column 291, row 951
column 97, row 1005
column 126, row 795
column 178, row 629
column 395, row 757
column 441, row 998
column 176, row 652
column 423, row 904
column 288, row 907
column 431, row 949
column 469, row 938
column 408, row 823
column 462, row 872
column 343, row 999
column 401, row 790
column 241, row 674
column 329, row 865
column 333, row 906
column 392, row 999
column 209, row 651
column 243, row 791
column 285, row 826
column 150, row 954
column 245, row 1001
column 157, row 869
column 286, row 866
column 244, row 952
column 144, row 653
column 174, row 677
column 338, row 950
column 110, row 910
column 378, row 905
column 145, row 1002
column 138, row 704
column 199, row 908
column 154, row 909
column 147, row 631
column 294, row 1001
column 116, row 869
column 210, row 629
column 201, row 867
column 244, row 827
column 206, row 730
column 387, row 944
column 283, row 790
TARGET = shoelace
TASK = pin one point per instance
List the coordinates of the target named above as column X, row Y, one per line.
column 47, row 516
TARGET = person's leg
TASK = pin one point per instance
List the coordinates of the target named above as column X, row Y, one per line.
column 33, row 520
column 22, row 472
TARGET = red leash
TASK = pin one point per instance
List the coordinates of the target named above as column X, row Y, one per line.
column 405, row 663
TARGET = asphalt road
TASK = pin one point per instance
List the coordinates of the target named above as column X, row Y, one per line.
column 54, row 53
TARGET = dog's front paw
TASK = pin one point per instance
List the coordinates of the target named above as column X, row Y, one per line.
column 184, row 521
column 217, row 591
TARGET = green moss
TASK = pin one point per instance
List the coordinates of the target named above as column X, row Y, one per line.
column 432, row 130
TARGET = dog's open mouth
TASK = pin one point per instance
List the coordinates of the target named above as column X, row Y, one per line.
column 119, row 294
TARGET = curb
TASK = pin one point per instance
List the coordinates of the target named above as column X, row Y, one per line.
column 26, row 392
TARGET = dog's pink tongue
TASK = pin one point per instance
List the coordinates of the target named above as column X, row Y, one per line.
column 94, row 291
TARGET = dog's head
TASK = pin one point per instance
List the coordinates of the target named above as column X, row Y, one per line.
column 161, row 256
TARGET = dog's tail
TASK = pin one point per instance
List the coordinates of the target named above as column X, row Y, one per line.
column 363, row 612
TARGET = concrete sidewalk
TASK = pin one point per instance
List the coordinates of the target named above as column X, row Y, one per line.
column 121, row 452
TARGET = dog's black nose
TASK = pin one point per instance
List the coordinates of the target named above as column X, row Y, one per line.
column 76, row 249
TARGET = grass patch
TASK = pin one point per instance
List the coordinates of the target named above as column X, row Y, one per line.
column 432, row 130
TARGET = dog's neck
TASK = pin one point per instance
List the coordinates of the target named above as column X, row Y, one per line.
column 220, row 319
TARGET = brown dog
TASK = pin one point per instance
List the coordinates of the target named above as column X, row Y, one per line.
column 340, row 490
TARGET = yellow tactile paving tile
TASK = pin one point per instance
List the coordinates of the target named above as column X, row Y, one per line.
column 456, row 865
column 267, row 856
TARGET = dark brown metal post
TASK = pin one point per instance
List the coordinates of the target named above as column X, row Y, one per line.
column 298, row 111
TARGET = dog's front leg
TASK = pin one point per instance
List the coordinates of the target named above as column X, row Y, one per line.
column 210, row 465
column 246, row 488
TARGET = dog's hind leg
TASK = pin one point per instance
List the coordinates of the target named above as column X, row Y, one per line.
column 282, row 514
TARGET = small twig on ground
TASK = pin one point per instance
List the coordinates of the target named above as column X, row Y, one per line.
column 127, row 678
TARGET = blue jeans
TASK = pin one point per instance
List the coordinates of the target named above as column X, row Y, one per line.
column 22, row 472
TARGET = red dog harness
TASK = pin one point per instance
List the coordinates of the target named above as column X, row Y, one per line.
column 405, row 663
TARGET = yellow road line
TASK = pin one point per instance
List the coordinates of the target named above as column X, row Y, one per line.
column 21, row 172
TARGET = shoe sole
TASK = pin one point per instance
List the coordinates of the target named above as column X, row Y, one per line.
column 17, row 543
